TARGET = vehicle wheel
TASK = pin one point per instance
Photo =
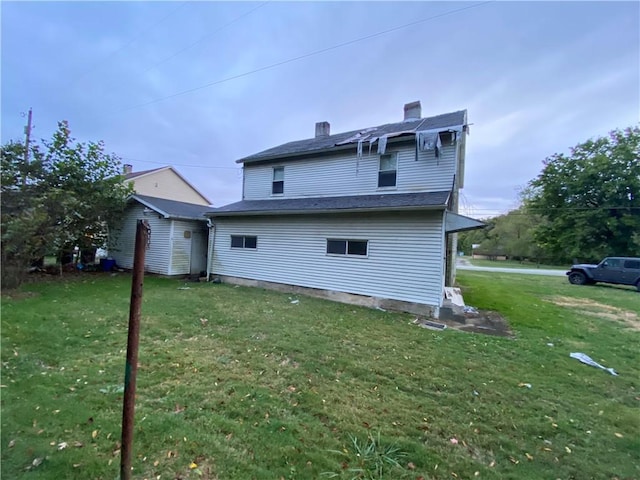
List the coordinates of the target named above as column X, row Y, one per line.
column 577, row 278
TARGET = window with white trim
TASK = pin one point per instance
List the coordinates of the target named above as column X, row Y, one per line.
column 277, row 186
column 244, row 241
column 388, row 170
column 336, row 246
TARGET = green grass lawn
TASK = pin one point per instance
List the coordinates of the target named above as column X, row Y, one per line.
column 240, row 383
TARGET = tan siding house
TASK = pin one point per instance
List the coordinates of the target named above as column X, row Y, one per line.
column 165, row 182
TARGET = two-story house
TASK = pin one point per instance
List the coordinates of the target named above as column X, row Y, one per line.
column 363, row 217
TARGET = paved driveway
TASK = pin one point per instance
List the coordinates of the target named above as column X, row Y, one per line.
column 465, row 265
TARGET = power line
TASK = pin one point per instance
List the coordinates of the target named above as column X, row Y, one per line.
column 306, row 55
column 209, row 35
column 179, row 164
column 132, row 40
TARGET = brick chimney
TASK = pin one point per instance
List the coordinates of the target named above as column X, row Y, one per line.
column 127, row 168
column 412, row 111
column 323, row 129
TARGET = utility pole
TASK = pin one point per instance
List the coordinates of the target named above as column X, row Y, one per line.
column 131, row 368
column 27, row 132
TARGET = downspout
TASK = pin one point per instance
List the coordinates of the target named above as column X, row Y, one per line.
column 243, row 169
column 171, row 234
column 212, row 229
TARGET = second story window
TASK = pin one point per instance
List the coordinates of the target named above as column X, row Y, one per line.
column 277, row 187
column 388, row 171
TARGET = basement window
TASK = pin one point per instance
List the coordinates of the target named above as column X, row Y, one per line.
column 244, row 241
column 388, row 170
column 277, row 187
column 347, row 247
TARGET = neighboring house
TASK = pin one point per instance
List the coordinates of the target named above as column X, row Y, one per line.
column 179, row 236
column 164, row 182
column 364, row 217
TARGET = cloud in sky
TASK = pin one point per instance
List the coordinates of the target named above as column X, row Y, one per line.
column 536, row 78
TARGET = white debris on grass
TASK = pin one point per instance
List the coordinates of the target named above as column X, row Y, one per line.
column 586, row 359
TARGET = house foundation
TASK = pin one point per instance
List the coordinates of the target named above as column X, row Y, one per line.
column 342, row 297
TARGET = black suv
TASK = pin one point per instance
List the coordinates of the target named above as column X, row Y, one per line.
column 619, row 270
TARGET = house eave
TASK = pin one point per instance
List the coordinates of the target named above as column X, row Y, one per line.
column 149, row 205
column 180, row 217
column 454, row 223
column 288, row 156
column 260, row 213
column 163, row 213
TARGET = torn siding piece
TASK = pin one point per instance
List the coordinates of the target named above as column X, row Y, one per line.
column 382, row 145
column 371, row 142
column 428, row 140
column 358, row 156
column 358, row 137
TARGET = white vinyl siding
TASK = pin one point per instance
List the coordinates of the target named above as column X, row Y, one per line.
column 169, row 252
column 404, row 261
column 344, row 174
column 157, row 255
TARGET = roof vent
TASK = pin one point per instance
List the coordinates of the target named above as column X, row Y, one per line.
column 412, row 111
column 322, row 129
column 127, row 168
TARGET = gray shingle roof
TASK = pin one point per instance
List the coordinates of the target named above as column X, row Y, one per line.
column 315, row 145
column 358, row 203
column 131, row 175
column 173, row 208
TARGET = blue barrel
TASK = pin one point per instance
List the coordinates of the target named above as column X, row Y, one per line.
column 107, row 264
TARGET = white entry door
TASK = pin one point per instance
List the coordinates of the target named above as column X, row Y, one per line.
column 198, row 251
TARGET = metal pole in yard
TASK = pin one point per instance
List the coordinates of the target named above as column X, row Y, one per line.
column 27, row 132
column 131, row 367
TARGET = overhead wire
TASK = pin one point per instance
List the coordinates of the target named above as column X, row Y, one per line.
column 131, row 41
column 180, row 164
column 209, row 35
column 306, row 55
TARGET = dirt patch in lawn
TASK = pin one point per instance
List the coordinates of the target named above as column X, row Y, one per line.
column 487, row 322
column 600, row 310
column 18, row 295
column 476, row 321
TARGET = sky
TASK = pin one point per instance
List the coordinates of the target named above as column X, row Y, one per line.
column 198, row 85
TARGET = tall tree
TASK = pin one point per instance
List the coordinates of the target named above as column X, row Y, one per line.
column 67, row 195
column 514, row 233
column 590, row 199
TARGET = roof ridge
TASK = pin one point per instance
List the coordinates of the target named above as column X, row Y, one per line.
column 319, row 144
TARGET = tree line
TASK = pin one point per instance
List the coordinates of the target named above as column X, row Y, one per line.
column 582, row 207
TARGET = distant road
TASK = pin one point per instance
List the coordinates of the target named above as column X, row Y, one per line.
column 465, row 265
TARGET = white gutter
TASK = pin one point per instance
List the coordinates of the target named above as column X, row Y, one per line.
column 324, row 211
